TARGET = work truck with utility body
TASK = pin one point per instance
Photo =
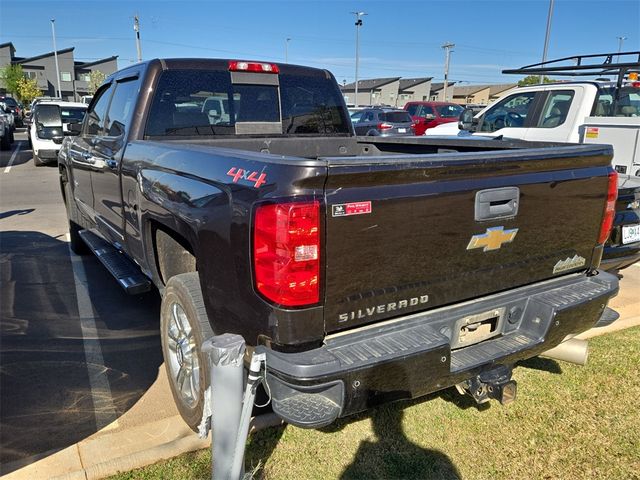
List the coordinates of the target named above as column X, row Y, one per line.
column 365, row 269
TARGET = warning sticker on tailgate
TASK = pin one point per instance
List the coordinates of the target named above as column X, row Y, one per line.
column 354, row 208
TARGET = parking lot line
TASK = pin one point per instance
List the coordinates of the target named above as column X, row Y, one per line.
column 13, row 157
column 103, row 407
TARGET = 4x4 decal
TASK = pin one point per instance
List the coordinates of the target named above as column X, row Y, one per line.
column 258, row 178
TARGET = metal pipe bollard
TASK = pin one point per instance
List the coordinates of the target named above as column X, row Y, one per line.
column 226, row 353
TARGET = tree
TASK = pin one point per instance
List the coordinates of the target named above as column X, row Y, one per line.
column 96, row 77
column 28, row 89
column 533, row 80
column 10, row 77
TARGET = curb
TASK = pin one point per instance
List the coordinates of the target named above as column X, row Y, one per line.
column 68, row 464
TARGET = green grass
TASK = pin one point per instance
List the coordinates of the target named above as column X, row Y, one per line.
column 581, row 424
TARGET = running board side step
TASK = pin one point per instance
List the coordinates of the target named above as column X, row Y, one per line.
column 117, row 263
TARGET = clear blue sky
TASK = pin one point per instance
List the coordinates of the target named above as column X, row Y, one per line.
column 399, row 38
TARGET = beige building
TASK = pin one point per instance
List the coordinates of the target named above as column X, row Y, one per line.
column 480, row 94
column 413, row 89
column 377, row 91
column 437, row 91
column 396, row 92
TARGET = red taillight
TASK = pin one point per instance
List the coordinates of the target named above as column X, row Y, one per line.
column 610, row 207
column 255, row 67
column 384, row 126
column 286, row 252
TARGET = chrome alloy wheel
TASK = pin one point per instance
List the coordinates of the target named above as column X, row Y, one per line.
column 183, row 360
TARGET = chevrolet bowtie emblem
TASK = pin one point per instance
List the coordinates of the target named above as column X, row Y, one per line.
column 492, row 239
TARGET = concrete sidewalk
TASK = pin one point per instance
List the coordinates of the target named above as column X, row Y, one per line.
column 152, row 430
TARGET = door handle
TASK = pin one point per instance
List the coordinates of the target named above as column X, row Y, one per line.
column 497, row 203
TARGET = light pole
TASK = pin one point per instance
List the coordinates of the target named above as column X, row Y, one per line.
column 447, row 48
column 546, row 37
column 621, row 40
column 358, row 25
column 136, row 28
column 286, row 50
column 55, row 54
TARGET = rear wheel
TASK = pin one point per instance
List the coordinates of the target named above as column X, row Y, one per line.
column 184, row 326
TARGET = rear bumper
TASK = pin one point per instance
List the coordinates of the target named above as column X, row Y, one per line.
column 412, row 356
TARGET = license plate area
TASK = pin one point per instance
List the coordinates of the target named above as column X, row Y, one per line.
column 630, row 233
column 476, row 328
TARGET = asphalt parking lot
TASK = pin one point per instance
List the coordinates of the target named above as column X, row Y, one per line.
column 76, row 352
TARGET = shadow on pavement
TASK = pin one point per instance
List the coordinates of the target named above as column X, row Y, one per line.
column 48, row 401
column 23, row 156
column 11, row 213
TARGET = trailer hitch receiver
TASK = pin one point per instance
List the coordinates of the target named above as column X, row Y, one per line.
column 495, row 384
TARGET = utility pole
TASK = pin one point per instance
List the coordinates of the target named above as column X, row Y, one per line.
column 358, row 25
column 136, row 28
column 546, row 37
column 55, row 54
column 447, row 48
column 286, row 50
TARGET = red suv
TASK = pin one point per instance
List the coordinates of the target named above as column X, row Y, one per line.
column 431, row 114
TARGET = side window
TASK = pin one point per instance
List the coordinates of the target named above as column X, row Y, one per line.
column 121, row 108
column 509, row 112
column 94, row 124
column 424, row 111
column 367, row 117
column 556, row 108
column 412, row 109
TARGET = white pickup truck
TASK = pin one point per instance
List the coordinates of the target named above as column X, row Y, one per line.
column 565, row 112
column 584, row 111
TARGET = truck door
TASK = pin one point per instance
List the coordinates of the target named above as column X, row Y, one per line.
column 81, row 151
column 557, row 120
column 107, row 151
column 510, row 117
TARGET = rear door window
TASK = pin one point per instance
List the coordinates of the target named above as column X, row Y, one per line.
column 426, row 110
column 556, row 108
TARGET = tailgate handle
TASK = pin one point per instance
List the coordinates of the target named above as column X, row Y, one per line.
column 497, row 203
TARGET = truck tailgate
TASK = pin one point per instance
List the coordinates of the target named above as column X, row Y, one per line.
column 410, row 233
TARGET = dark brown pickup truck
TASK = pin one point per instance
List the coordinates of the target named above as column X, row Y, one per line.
column 367, row 269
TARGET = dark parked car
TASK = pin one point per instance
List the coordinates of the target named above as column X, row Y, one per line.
column 431, row 114
column 16, row 109
column 382, row 122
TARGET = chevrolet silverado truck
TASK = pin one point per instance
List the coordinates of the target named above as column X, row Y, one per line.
column 603, row 110
column 366, row 269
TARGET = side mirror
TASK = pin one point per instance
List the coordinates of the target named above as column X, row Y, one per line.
column 466, row 120
column 74, row 128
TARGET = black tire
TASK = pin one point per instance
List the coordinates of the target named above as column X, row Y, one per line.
column 12, row 137
column 182, row 294
column 76, row 243
column 36, row 161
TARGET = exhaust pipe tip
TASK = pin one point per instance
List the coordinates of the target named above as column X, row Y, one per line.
column 572, row 350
